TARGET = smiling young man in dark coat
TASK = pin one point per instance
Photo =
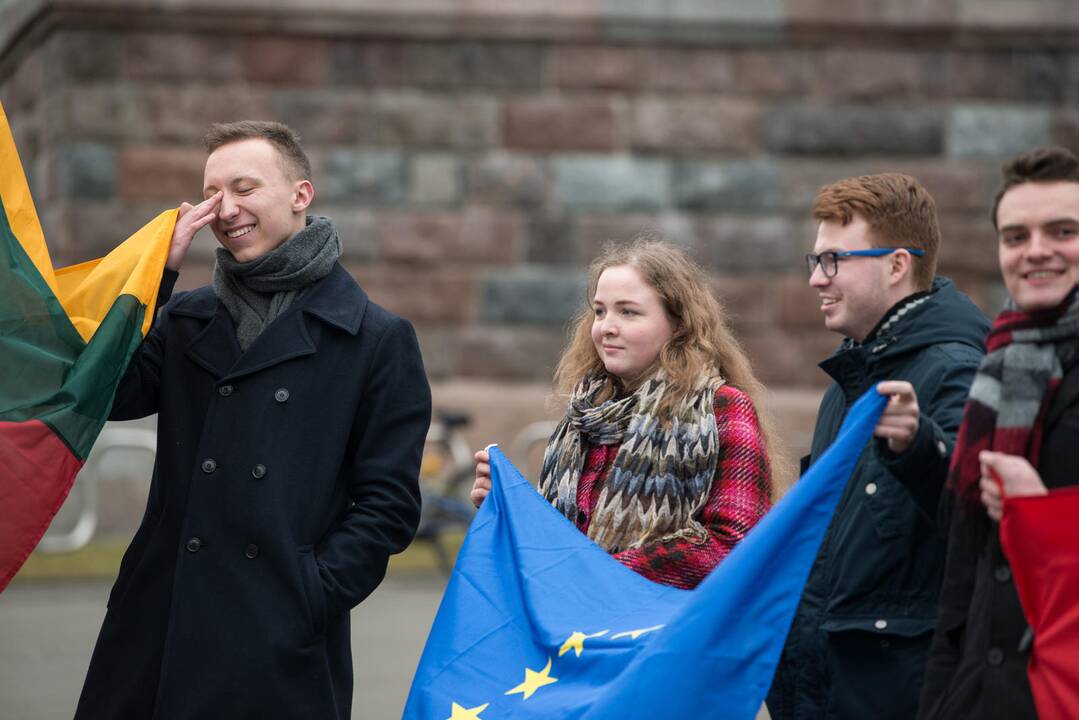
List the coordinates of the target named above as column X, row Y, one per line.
column 858, row 644
column 292, row 412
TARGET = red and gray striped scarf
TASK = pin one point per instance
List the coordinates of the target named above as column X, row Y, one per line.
column 1027, row 355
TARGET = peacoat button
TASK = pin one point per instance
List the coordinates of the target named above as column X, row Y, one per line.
column 209, row 465
column 258, row 472
column 281, row 395
column 252, row 551
column 193, row 545
column 225, row 390
column 942, row 448
column 870, row 488
column 880, row 624
column 995, row 657
column 1002, row 574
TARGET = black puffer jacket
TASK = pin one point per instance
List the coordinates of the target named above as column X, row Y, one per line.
column 859, row 641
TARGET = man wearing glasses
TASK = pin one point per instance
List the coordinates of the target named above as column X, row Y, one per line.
column 859, row 641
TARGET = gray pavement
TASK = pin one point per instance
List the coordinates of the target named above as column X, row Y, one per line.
column 47, row 632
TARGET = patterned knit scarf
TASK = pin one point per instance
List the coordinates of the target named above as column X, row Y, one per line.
column 1028, row 354
column 660, row 477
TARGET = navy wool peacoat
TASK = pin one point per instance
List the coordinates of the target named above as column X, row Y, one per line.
column 285, row 478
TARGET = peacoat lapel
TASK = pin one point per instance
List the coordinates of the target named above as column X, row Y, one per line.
column 336, row 300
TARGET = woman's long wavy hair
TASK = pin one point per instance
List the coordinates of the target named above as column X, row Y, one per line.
column 703, row 344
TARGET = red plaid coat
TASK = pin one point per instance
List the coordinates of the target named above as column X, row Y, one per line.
column 739, row 497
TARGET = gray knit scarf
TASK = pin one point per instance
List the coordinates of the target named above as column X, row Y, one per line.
column 660, row 477
column 256, row 292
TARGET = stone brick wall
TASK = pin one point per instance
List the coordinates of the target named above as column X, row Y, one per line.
column 476, row 155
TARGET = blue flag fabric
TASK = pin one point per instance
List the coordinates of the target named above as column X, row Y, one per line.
column 540, row 622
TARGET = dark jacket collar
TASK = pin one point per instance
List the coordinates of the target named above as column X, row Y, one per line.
column 335, row 300
column 947, row 315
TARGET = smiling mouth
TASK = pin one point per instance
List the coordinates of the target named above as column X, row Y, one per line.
column 828, row 302
column 239, row 232
column 1042, row 274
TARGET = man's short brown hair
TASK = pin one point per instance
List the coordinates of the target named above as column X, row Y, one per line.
column 899, row 212
column 281, row 136
column 1041, row 164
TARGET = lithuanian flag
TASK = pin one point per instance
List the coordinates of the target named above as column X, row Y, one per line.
column 66, row 337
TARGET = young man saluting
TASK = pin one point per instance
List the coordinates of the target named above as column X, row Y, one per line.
column 859, row 639
column 292, row 414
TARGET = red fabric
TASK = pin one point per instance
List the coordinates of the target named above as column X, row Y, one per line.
column 739, row 497
column 1040, row 537
column 36, row 473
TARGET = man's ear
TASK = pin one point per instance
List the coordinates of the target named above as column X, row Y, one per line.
column 303, row 194
column 901, row 267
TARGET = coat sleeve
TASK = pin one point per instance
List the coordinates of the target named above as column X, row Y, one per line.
column 137, row 393
column 739, row 497
column 956, row 591
column 383, row 474
column 923, row 468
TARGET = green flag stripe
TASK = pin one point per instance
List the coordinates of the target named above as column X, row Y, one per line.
column 50, row 374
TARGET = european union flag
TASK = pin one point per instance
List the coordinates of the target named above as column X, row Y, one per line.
column 539, row 622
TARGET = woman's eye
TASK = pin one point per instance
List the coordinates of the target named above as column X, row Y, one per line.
column 627, row 311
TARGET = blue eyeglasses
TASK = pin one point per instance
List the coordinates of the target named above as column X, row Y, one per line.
column 829, row 261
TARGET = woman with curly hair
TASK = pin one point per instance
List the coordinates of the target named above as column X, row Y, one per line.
column 662, row 457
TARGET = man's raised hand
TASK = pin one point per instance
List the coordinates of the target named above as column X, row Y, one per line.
column 192, row 218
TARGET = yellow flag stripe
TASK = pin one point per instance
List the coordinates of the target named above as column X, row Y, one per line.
column 19, row 206
column 89, row 289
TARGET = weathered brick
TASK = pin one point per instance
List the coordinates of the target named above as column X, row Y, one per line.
column 877, row 14
column 695, row 124
column 732, row 243
column 516, row 65
column 799, row 304
column 115, row 111
column 697, row 11
column 85, row 55
column 748, row 300
column 411, row 119
column 183, row 113
column 693, row 69
column 282, row 59
column 550, row 241
column 447, row 295
column 1043, row 76
column 875, row 74
column 968, row 244
column 367, row 62
column 355, row 227
column 434, row 180
column 1066, row 129
column 22, row 89
column 594, row 231
column 502, row 178
column 819, row 129
column 531, row 296
column 783, row 357
column 367, row 177
column 600, row 66
column 474, row 236
column 169, row 174
column 969, row 74
column 87, row 171
column 731, row 185
column 82, row 230
column 1008, row 16
column 776, row 71
column 509, row 352
column 954, row 185
column 995, row 132
column 183, row 56
column 332, row 117
column 560, row 123
column 619, row 181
